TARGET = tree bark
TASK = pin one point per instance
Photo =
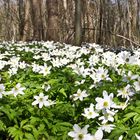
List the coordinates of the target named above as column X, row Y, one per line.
column 52, row 30
column 21, row 18
column 37, row 19
column 78, row 23
column 26, row 21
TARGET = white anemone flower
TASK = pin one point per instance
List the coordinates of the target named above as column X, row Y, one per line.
column 36, row 57
column 14, row 61
column 84, row 71
column 2, row 64
column 93, row 75
column 45, row 70
column 102, row 74
column 79, row 133
column 109, row 59
column 106, row 102
column 22, row 65
column 35, row 67
column 64, row 61
column 45, row 56
column 123, row 57
column 97, row 136
column 93, row 60
column 17, row 90
column 123, row 105
column 129, row 76
column 120, row 138
column 46, row 87
column 80, row 95
column 138, row 137
column 89, row 113
column 79, row 62
column 133, row 60
column 13, row 71
column 137, row 85
column 56, row 62
column 2, row 89
column 79, row 82
column 107, row 116
column 42, row 100
column 107, row 127
column 125, row 92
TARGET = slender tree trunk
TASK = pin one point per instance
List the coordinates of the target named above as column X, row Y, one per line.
column 52, row 30
column 37, row 19
column 26, row 21
column 21, row 18
column 100, row 23
column 8, row 19
column 78, row 23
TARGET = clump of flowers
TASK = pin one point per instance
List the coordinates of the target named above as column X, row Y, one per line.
column 95, row 92
column 42, row 100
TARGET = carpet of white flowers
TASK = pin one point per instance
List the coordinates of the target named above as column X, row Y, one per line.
column 53, row 91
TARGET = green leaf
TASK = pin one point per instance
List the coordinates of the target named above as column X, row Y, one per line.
column 129, row 115
column 118, row 131
column 29, row 136
column 41, row 127
column 136, row 118
column 2, row 126
column 15, row 133
column 23, row 122
column 52, row 81
column 28, row 127
column 137, row 110
column 62, row 90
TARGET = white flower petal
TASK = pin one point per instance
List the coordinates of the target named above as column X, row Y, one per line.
column 99, row 134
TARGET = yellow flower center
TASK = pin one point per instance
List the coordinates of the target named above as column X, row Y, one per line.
column 103, row 76
column 105, row 104
column 16, row 89
column 46, row 70
column 79, row 94
column 124, row 91
column 90, row 113
column 41, row 99
column 80, row 136
column 129, row 78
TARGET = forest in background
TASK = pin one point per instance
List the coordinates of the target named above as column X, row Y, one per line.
column 109, row 22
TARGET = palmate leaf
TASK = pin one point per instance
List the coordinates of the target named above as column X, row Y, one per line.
column 62, row 90
column 34, row 120
column 29, row 136
column 15, row 133
column 134, row 130
column 118, row 131
column 2, row 126
column 64, row 110
column 137, row 110
column 128, row 116
column 23, row 122
column 28, row 127
column 10, row 113
column 61, row 127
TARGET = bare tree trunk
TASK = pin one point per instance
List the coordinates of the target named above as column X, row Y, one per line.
column 60, row 20
column 37, row 19
column 26, row 21
column 21, row 18
column 7, row 19
column 100, row 23
column 138, row 20
column 78, row 23
column 52, row 30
